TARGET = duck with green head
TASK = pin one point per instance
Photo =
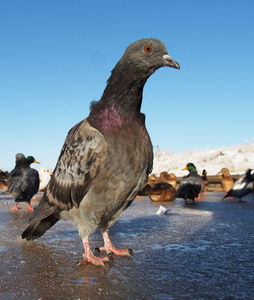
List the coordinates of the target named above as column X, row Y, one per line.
column 23, row 182
column 190, row 186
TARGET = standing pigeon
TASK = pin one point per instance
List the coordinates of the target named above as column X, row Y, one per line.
column 106, row 158
column 243, row 186
column 190, row 187
column 23, row 182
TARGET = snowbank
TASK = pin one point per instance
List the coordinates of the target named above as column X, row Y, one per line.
column 236, row 158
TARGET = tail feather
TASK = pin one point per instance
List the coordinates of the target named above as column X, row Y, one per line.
column 37, row 229
column 45, row 216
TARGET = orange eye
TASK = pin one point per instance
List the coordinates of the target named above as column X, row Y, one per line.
column 148, row 48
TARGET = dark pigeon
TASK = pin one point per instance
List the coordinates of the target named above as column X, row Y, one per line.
column 190, row 187
column 106, row 158
column 243, row 186
column 23, row 182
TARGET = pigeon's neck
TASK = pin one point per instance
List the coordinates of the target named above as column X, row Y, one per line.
column 121, row 101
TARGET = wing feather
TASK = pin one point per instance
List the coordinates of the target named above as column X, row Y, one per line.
column 80, row 161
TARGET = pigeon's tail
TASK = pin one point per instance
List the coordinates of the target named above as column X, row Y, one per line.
column 45, row 216
column 37, row 229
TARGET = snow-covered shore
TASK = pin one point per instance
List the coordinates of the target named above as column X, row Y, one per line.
column 236, row 158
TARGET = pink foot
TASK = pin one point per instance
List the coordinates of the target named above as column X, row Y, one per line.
column 15, row 207
column 89, row 257
column 109, row 247
column 29, row 207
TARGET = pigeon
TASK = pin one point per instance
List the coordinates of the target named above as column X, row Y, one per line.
column 243, row 186
column 190, row 187
column 106, row 158
column 23, row 182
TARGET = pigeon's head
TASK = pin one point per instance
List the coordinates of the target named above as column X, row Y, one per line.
column 20, row 157
column 150, row 53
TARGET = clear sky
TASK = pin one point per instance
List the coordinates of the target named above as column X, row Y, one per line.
column 56, row 57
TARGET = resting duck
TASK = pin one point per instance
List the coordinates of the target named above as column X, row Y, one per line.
column 152, row 180
column 190, row 187
column 162, row 191
column 243, row 186
column 227, row 181
column 23, row 182
column 3, row 180
column 172, row 180
column 145, row 191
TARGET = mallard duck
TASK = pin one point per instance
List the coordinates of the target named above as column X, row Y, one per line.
column 23, row 181
column 164, row 177
column 3, row 180
column 190, row 186
column 243, row 186
column 152, row 180
column 162, row 192
column 145, row 191
column 227, row 181
column 45, row 176
column 172, row 180
column 205, row 182
column 168, row 178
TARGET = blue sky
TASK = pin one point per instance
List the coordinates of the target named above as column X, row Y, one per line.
column 56, row 57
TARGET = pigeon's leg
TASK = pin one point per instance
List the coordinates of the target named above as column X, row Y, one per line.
column 109, row 248
column 89, row 257
column 15, row 207
column 29, row 207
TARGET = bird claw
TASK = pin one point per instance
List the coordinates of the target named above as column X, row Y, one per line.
column 112, row 250
column 90, row 258
column 15, row 207
column 30, row 208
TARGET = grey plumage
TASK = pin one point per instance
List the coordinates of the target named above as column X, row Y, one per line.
column 189, row 187
column 107, row 157
column 23, row 182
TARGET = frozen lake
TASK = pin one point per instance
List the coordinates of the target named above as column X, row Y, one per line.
column 202, row 251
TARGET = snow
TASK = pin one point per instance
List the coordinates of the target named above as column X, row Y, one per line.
column 236, row 158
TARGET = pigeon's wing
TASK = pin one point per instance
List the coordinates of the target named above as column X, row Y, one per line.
column 80, row 161
column 15, row 181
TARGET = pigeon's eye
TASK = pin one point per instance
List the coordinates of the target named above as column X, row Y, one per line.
column 148, row 48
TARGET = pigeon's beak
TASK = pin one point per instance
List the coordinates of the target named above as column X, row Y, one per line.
column 170, row 62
